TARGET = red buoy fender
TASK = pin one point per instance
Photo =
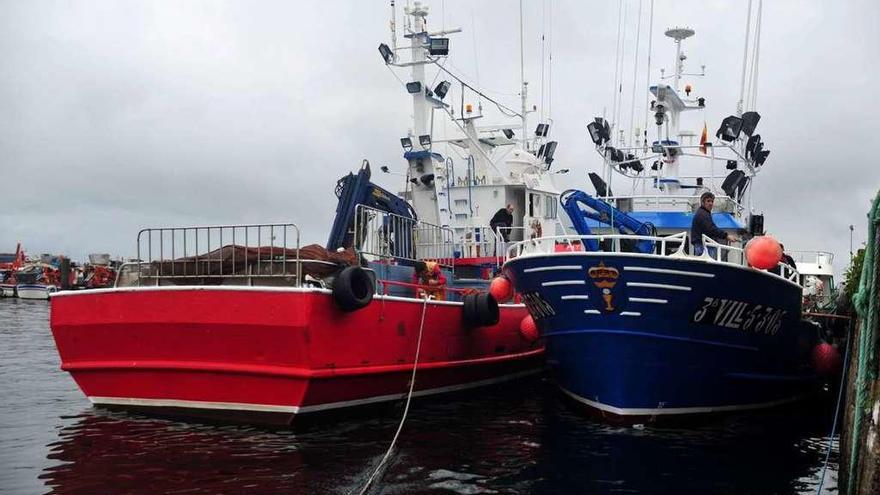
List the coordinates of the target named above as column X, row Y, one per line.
column 826, row 359
column 501, row 288
column 528, row 329
column 763, row 252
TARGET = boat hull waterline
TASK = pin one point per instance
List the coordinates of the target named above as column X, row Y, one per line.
column 274, row 352
column 640, row 336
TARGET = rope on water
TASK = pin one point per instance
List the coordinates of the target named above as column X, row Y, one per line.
column 840, row 388
column 409, row 394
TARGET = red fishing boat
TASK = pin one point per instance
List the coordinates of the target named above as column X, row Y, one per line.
column 235, row 321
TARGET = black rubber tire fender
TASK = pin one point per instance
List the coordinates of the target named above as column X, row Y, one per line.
column 469, row 315
column 487, row 309
column 353, row 289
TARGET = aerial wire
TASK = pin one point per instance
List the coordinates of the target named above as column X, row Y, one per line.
column 632, row 108
column 742, row 84
column 648, row 75
column 620, row 84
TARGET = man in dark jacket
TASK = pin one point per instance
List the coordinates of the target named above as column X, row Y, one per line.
column 502, row 221
column 703, row 224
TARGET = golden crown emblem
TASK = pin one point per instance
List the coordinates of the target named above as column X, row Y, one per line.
column 603, row 272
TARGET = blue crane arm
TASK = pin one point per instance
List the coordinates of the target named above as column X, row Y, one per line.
column 603, row 212
column 356, row 189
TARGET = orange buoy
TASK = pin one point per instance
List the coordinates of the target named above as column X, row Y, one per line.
column 826, row 359
column 501, row 289
column 763, row 252
column 529, row 329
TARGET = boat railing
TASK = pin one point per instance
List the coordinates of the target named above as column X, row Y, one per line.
column 817, row 257
column 221, row 254
column 723, row 253
column 722, row 202
column 387, row 236
column 672, row 245
column 483, row 242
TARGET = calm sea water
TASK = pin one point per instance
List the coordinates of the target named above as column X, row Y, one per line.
column 516, row 439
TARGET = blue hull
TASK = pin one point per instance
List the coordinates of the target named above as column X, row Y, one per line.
column 639, row 335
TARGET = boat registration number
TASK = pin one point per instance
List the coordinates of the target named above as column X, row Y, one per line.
column 739, row 315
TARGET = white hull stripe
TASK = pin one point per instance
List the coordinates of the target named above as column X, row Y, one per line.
column 245, row 288
column 630, row 313
column 563, row 282
column 240, row 406
column 657, row 286
column 591, row 311
column 567, row 298
column 553, row 268
column 668, row 271
column 648, row 300
column 676, row 410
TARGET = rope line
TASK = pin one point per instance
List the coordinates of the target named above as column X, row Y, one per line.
column 840, row 388
column 409, row 394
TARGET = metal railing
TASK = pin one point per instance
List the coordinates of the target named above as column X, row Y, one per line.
column 668, row 246
column 223, row 252
column 547, row 245
column 387, row 236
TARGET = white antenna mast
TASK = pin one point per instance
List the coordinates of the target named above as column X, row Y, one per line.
column 522, row 75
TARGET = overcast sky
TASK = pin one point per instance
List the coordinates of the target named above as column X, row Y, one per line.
column 120, row 115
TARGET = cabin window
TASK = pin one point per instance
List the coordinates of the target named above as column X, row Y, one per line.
column 531, row 205
column 550, row 206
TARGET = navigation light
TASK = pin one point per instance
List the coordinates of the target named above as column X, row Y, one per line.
column 406, row 143
column 425, row 141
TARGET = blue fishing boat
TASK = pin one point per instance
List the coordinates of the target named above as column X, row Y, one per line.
column 637, row 325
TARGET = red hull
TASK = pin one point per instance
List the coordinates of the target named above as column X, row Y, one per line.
column 273, row 352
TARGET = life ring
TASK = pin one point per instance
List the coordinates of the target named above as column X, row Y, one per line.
column 353, row 289
column 479, row 310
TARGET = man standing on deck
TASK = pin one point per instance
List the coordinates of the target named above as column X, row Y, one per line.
column 502, row 221
column 703, row 224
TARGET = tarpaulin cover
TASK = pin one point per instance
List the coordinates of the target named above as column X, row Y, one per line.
column 264, row 260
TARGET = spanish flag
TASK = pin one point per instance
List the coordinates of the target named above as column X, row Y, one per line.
column 704, row 137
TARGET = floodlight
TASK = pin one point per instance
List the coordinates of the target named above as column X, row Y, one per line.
column 542, row 130
column 595, row 133
column 406, row 143
column 413, row 87
column 730, row 128
column 731, row 164
column 386, row 53
column 599, row 131
column 442, row 89
column 425, row 141
column 549, row 151
column 385, row 169
column 752, row 145
column 701, row 102
column 750, row 121
column 761, row 157
column 507, row 133
column 438, row 46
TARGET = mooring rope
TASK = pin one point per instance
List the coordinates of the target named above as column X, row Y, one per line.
column 409, row 394
column 841, row 386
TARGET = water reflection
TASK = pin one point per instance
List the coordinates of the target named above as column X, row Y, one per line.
column 521, row 440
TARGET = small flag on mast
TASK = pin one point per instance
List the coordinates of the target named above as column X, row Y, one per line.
column 704, row 137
